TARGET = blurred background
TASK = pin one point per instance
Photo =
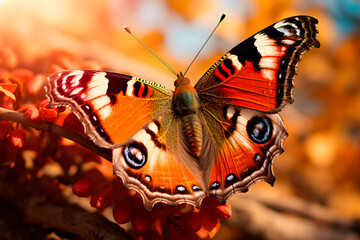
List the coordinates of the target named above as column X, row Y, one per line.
column 318, row 175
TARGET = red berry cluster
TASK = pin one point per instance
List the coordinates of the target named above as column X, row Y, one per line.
column 30, row 158
column 182, row 222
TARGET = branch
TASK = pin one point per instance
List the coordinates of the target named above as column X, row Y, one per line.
column 13, row 116
column 71, row 219
column 12, row 225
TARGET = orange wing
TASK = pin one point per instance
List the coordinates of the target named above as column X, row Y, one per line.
column 241, row 94
column 259, row 72
column 155, row 164
column 245, row 145
column 133, row 116
column 112, row 106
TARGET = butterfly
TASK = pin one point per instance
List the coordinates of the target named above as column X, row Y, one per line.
column 216, row 138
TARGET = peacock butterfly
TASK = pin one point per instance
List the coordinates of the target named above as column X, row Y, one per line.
column 217, row 138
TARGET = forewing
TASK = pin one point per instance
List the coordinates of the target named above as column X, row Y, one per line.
column 259, row 72
column 111, row 106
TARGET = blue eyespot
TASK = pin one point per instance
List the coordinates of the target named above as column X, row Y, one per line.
column 259, row 129
column 135, row 155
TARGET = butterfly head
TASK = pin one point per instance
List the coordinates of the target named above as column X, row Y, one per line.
column 185, row 100
column 181, row 79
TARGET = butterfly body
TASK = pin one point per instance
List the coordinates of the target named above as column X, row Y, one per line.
column 216, row 138
column 186, row 107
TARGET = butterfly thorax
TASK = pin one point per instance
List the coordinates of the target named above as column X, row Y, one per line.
column 186, row 107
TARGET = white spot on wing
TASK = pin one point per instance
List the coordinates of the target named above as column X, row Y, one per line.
column 266, row 47
column 153, row 127
column 181, row 188
column 130, row 88
column 100, row 102
column 235, row 61
column 76, row 91
column 153, row 152
column 242, row 121
column 77, row 74
column 263, row 40
column 269, row 51
column 63, row 82
column 280, row 27
column 97, row 92
column 288, row 41
column 83, row 96
column 280, row 24
column 98, row 79
column 267, row 63
column 259, row 35
column 76, row 80
column 142, row 136
column 230, row 112
column 285, row 31
column 64, row 88
column 105, row 112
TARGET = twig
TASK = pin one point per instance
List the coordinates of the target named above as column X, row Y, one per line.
column 71, row 219
column 13, row 116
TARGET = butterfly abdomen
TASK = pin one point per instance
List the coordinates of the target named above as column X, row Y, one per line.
column 186, row 107
column 192, row 133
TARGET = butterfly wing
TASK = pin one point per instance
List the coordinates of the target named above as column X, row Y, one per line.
column 155, row 163
column 259, row 72
column 239, row 92
column 245, row 144
column 133, row 116
column 111, row 106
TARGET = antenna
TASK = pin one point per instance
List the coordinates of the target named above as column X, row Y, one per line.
column 221, row 18
column 129, row 31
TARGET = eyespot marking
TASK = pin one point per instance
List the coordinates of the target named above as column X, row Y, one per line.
column 196, row 188
column 230, row 179
column 259, row 129
column 181, row 189
column 147, row 178
column 135, row 155
column 214, row 185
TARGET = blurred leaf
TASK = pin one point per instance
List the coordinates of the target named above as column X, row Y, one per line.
column 8, row 89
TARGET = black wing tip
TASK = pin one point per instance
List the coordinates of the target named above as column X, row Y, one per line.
column 313, row 19
column 313, row 28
